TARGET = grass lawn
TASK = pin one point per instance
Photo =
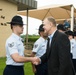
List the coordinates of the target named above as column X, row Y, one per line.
column 27, row 67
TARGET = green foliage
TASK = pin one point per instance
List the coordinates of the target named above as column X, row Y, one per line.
column 31, row 38
column 27, row 67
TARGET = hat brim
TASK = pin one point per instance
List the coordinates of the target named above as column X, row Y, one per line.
column 15, row 23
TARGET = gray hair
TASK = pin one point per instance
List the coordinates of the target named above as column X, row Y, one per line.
column 51, row 19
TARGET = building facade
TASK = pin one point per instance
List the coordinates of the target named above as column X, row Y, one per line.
column 7, row 11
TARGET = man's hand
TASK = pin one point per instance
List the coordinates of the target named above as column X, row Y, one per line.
column 36, row 60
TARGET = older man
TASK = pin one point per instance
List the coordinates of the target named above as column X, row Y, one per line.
column 58, row 50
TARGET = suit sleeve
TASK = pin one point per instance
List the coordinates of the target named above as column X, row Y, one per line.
column 44, row 58
column 64, row 54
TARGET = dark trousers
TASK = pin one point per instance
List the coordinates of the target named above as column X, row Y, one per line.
column 74, row 64
column 41, row 69
column 13, row 70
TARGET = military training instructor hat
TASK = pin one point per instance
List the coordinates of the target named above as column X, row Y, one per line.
column 61, row 27
column 41, row 27
column 69, row 32
column 16, row 20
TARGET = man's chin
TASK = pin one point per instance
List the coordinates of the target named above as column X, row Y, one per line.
column 21, row 32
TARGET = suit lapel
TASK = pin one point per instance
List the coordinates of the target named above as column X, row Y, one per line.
column 52, row 41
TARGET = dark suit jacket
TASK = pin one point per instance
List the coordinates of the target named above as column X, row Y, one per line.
column 58, row 56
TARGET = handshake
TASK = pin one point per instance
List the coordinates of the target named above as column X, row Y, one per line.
column 36, row 60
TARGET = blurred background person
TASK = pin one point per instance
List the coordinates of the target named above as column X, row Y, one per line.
column 70, row 36
column 61, row 28
column 38, row 50
column 66, row 24
column 75, row 35
column 73, row 46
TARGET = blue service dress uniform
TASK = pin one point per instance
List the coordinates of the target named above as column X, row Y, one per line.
column 14, row 45
column 40, row 48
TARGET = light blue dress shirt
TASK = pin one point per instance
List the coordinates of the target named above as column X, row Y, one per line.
column 14, row 45
column 51, row 36
column 40, row 47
